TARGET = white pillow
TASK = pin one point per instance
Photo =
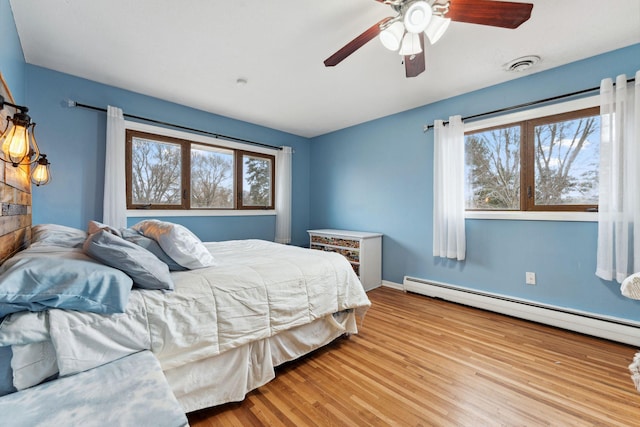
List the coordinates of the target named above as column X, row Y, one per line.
column 33, row 363
column 178, row 242
column 630, row 287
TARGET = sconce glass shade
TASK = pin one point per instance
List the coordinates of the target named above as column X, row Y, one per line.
column 19, row 145
column 417, row 17
column 436, row 28
column 391, row 37
column 41, row 175
column 410, row 45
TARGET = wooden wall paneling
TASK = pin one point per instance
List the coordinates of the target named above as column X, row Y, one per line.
column 13, row 242
column 15, row 220
column 15, row 197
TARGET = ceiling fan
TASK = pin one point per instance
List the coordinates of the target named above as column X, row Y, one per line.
column 405, row 32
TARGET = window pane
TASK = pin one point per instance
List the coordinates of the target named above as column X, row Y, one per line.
column 256, row 181
column 211, row 177
column 492, row 169
column 156, row 172
column 566, row 162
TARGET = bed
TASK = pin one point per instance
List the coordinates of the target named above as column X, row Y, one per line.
column 218, row 316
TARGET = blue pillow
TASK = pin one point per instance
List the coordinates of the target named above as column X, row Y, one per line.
column 131, row 235
column 33, row 281
column 95, row 226
column 57, row 235
column 146, row 270
column 6, row 373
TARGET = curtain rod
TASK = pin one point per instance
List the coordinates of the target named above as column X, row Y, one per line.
column 527, row 104
column 215, row 135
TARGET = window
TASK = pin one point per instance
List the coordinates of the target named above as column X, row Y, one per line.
column 211, row 177
column 542, row 164
column 257, row 179
column 171, row 173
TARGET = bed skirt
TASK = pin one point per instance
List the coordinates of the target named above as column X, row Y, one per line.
column 229, row 376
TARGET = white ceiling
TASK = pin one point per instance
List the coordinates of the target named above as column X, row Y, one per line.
column 192, row 52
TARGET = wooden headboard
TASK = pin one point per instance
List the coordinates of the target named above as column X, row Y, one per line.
column 15, row 196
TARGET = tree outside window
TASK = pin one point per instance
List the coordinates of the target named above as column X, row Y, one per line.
column 211, row 178
column 549, row 163
column 493, row 169
column 257, row 178
column 156, row 172
column 171, row 173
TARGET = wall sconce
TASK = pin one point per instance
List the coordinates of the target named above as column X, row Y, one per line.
column 19, row 145
column 41, row 174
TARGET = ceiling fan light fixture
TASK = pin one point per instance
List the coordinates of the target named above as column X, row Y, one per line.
column 410, row 45
column 417, row 16
column 391, row 37
column 436, row 28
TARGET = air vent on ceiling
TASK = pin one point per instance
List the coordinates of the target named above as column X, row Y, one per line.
column 521, row 64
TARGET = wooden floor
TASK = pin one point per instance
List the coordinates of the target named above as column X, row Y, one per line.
column 421, row 361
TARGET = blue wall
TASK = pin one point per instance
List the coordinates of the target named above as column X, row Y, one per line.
column 11, row 58
column 377, row 176
column 74, row 140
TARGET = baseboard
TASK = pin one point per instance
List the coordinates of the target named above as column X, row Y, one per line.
column 611, row 328
column 393, row 285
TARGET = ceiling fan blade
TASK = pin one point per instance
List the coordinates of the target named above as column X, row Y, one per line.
column 489, row 12
column 355, row 44
column 414, row 65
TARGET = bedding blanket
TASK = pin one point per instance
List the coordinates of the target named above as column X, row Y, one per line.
column 255, row 290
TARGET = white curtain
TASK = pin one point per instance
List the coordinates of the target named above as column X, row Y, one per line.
column 448, row 189
column 619, row 199
column 283, row 195
column 115, row 205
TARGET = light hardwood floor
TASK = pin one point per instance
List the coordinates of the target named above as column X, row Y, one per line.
column 421, row 361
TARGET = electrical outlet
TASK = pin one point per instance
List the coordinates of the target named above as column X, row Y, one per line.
column 530, row 278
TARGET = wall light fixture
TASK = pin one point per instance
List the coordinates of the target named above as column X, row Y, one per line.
column 19, row 146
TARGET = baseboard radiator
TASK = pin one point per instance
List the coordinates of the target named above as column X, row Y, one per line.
column 611, row 328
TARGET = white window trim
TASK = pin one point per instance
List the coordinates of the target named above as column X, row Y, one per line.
column 194, row 137
column 533, row 216
column 549, row 110
column 143, row 213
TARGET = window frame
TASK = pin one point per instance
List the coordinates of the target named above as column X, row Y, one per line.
column 533, row 115
column 185, row 160
column 186, row 140
column 234, row 182
column 527, row 177
column 239, row 177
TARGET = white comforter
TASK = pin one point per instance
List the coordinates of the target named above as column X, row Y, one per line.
column 257, row 289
